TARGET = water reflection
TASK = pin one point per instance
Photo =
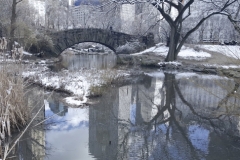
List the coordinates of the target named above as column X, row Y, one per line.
column 68, row 136
column 167, row 117
column 86, row 61
column 33, row 143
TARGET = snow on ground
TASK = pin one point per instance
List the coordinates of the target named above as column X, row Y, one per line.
column 170, row 63
column 221, row 66
column 159, row 49
column 27, row 53
column 190, row 53
column 230, row 51
column 185, row 53
column 77, row 83
column 156, row 74
column 76, row 101
column 6, row 58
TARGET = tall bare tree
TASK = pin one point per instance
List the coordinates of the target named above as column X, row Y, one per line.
column 175, row 12
column 13, row 20
column 234, row 18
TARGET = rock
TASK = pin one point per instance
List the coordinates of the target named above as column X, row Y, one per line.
column 237, row 75
column 197, row 69
column 233, row 73
column 237, row 69
column 210, row 71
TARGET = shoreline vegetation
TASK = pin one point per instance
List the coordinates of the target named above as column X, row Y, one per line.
column 14, row 110
column 12, row 100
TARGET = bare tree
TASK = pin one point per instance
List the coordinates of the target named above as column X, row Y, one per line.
column 102, row 16
column 18, row 11
column 57, row 14
column 175, row 12
column 13, row 19
column 146, row 20
column 5, row 11
column 17, row 20
column 201, row 32
column 164, row 34
column 234, row 19
column 219, row 29
column 110, row 20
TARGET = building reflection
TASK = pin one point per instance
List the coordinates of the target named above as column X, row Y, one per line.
column 103, row 127
column 57, row 107
column 168, row 117
column 33, row 143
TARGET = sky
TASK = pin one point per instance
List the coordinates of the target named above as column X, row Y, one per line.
column 78, row 2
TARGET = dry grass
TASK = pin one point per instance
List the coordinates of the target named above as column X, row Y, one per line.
column 14, row 112
column 106, row 79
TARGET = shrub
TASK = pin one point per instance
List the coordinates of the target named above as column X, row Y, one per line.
column 38, row 43
column 130, row 47
column 197, row 48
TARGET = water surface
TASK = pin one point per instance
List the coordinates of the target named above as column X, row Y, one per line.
column 87, row 61
column 164, row 116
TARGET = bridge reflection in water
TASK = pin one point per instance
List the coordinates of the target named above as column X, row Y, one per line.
column 168, row 117
column 76, row 62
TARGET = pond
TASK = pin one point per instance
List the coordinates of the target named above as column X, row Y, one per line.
column 86, row 61
column 163, row 116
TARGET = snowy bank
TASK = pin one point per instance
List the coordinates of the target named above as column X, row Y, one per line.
column 78, row 84
column 230, row 51
column 185, row 53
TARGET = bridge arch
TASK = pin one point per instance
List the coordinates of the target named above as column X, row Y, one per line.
column 111, row 39
column 110, row 47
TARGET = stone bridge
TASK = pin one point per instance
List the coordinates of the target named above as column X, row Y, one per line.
column 67, row 38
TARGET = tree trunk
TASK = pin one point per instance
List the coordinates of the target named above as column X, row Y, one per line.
column 170, row 94
column 1, row 28
column 172, row 46
column 13, row 22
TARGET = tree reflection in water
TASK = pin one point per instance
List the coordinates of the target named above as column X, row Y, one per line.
column 170, row 117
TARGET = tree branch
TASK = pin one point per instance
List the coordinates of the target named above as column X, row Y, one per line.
column 19, row 1
column 179, row 17
column 165, row 15
column 201, row 21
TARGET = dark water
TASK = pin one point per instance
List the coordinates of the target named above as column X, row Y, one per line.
column 97, row 61
column 165, row 116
